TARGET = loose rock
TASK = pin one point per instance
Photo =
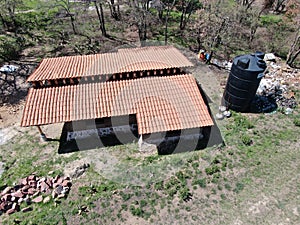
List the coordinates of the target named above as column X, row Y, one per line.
column 29, row 190
column 27, row 209
column 38, row 199
column 47, row 199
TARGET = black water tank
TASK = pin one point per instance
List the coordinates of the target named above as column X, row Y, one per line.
column 245, row 75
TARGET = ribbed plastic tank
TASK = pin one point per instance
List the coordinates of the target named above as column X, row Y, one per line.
column 243, row 81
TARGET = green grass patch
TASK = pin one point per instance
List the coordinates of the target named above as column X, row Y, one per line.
column 270, row 19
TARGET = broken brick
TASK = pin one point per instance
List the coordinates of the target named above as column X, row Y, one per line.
column 31, row 191
column 6, row 190
column 49, row 182
column 18, row 194
column 47, row 199
column 6, row 197
column 59, row 189
column 66, row 183
column 24, row 181
column 27, row 209
column 32, row 178
column 25, row 188
column 11, row 211
column 32, row 183
column 44, row 186
column 38, row 199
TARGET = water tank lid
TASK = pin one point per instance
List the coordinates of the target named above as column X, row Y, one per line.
column 243, row 63
column 259, row 54
column 251, row 62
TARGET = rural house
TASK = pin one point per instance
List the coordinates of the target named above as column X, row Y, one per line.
column 143, row 90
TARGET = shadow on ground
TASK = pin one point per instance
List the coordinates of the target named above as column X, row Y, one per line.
column 208, row 137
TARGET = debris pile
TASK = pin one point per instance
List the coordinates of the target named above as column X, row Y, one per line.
column 32, row 189
column 275, row 89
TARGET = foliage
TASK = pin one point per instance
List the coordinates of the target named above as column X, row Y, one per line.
column 136, row 211
column 212, row 169
column 10, row 47
column 242, row 122
column 270, row 19
column 184, row 193
column 246, row 139
column 200, row 182
column 238, row 187
column 296, row 121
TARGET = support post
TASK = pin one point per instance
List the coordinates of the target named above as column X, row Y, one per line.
column 140, row 142
column 42, row 135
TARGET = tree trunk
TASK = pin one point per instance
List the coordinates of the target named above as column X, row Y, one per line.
column 182, row 18
column 294, row 50
column 169, row 8
column 166, row 28
column 292, row 59
column 114, row 10
column 4, row 23
column 101, row 18
column 73, row 23
column 160, row 14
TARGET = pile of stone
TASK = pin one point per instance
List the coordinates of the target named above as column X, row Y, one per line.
column 32, row 189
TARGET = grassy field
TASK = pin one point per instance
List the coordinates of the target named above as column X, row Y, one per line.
column 253, row 179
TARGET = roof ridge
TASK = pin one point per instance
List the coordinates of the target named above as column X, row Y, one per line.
column 129, row 60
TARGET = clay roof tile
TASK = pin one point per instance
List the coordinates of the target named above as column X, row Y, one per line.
column 163, row 103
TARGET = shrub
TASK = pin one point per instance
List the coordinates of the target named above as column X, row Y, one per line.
column 143, row 203
column 223, row 196
column 242, row 121
column 159, row 185
column 227, row 186
column 296, row 122
column 10, row 48
column 200, row 182
column 238, row 187
column 136, row 211
column 246, row 140
column 270, row 19
column 216, row 178
column 125, row 196
column 184, row 194
column 211, row 170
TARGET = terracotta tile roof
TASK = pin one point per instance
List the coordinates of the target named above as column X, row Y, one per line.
column 160, row 103
column 125, row 60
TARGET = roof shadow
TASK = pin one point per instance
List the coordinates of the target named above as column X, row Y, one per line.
column 208, row 136
column 93, row 140
column 172, row 142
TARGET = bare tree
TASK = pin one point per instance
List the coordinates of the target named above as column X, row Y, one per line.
column 294, row 51
column 279, row 5
column 159, row 6
column 187, row 7
column 66, row 6
column 99, row 9
column 224, row 30
column 140, row 17
column 170, row 5
column 114, row 7
column 246, row 3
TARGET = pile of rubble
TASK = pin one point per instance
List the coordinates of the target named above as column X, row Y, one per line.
column 276, row 87
column 31, row 190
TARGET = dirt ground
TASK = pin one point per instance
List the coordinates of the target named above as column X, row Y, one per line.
column 259, row 202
